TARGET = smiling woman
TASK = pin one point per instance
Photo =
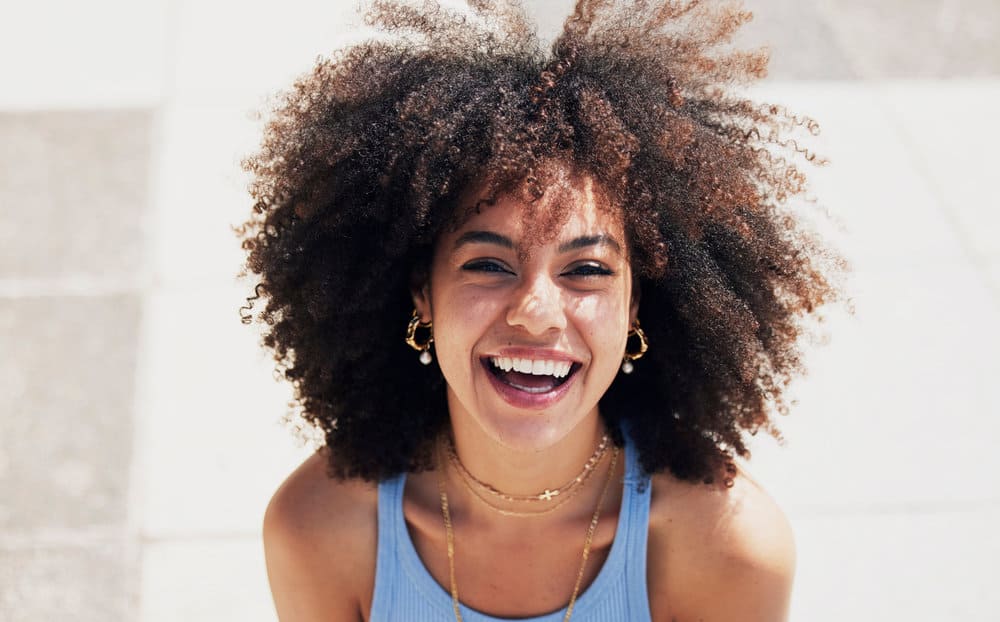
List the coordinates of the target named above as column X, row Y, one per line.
column 506, row 311
column 529, row 450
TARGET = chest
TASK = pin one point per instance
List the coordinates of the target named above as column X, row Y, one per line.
column 518, row 573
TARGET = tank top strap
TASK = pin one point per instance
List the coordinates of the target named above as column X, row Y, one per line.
column 638, row 491
column 387, row 581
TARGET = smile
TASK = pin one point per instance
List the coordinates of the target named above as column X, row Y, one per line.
column 530, row 383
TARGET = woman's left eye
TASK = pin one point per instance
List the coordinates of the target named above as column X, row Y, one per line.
column 588, row 269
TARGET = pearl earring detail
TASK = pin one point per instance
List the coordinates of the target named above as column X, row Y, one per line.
column 635, row 331
column 411, row 338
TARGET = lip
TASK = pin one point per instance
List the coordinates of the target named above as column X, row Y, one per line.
column 523, row 399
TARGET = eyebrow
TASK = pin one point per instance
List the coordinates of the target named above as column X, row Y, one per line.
column 483, row 237
column 584, row 241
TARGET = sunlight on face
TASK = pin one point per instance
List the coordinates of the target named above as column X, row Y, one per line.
column 529, row 330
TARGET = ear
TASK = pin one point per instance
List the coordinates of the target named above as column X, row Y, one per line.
column 420, row 291
column 633, row 308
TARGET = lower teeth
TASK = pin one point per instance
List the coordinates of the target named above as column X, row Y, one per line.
column 532, row 389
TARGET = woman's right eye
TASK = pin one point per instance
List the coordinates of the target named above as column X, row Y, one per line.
column 487, row 265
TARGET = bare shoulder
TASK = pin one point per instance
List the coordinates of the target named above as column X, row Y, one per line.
column 717, row 553
column 320, row 538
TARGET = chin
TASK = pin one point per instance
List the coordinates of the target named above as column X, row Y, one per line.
column 531, row 430
column 525, row 432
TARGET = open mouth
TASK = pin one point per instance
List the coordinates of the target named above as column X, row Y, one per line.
column 528, row 375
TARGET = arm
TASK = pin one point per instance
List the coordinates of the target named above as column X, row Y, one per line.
column 729, row 556
column 319, row 546
column 751, row 582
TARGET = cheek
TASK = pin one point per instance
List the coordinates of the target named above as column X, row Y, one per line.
column 611, row 308
column 604, row 322
column 451, row 348
column 463, row 311
column 461, row 321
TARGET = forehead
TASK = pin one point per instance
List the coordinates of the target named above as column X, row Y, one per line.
column 571, row 205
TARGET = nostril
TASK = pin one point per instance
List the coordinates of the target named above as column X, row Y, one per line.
column 537, row 312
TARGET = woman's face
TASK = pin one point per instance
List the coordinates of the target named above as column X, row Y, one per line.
column 529, row 339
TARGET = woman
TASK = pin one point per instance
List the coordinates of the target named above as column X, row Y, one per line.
column 533, row 303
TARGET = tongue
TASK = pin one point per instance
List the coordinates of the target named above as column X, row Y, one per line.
column 528, row 381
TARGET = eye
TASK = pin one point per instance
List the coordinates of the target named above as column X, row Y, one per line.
column 489, row 266
column 589, row 269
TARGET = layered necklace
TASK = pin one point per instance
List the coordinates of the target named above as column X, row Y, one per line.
column 567, row 491
column 548, row 494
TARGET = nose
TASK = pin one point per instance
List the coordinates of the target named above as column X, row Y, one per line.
column 537, row 305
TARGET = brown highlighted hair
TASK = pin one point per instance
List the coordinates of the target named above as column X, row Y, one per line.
column 364, row 160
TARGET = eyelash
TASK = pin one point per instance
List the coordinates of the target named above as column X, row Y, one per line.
column 583, row 270
column 590, row 269
column 485, row 265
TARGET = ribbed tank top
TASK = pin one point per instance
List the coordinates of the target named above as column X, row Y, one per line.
column 405, row 590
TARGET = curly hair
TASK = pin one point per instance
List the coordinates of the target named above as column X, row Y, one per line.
column 364, row 161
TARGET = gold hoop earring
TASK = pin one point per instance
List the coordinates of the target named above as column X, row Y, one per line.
column 411, row 337
column 636, row 331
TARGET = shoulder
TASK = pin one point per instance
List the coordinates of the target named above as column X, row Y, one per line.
column 717, row 553
column 320, row 538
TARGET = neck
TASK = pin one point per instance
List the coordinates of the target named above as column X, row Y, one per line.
column 526, row 462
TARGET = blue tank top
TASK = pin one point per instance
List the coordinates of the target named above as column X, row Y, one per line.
column 405, row 590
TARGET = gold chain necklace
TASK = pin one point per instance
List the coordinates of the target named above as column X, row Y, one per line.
column 545, row 495
column 521, row 513
column 450, row 537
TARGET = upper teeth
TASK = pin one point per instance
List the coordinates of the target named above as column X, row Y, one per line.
column 536, row 367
